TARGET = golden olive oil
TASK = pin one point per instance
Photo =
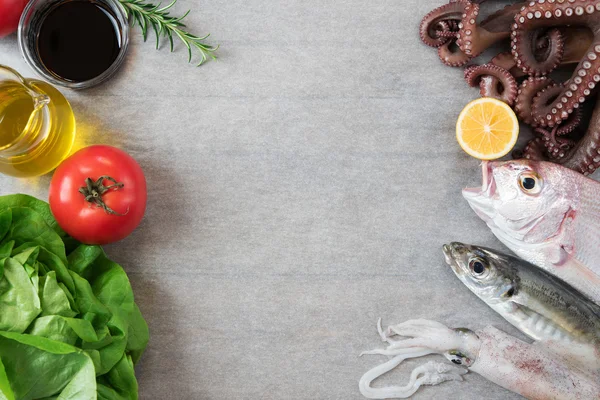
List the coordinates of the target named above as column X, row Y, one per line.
column 16, row 105
column 37, row 128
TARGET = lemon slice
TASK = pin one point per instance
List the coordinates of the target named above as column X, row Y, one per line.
column 487, row 128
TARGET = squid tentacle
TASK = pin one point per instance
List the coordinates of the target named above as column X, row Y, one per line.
column 430, row 373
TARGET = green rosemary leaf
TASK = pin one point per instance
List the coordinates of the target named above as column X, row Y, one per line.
column 182, row 17
column 170, row 35
column 144, row 27
column 165, row 8
column 157, row 32
column 147, row 14
column 154, row 9
column 139, row 19
column 196, row 38
column 202, row 60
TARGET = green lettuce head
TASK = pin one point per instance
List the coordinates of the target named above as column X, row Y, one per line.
column 69, row 326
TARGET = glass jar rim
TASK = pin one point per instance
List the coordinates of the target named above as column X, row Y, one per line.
column 23, row 81
column 31, row 59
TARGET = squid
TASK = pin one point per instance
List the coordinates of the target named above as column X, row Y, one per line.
column 537, row 371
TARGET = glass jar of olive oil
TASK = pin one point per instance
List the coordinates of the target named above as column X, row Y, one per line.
column 37, row 125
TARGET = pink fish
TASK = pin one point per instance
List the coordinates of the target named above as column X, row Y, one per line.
column 547, row 214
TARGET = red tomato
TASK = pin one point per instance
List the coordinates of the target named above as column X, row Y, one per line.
column 10, row 13
column 94, row 210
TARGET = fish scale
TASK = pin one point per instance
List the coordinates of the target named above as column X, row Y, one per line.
column 587, row 227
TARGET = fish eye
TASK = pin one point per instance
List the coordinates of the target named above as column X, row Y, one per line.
column 530, row 182
column 478, row 266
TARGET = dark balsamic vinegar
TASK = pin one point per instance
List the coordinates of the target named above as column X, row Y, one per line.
column 78, row 40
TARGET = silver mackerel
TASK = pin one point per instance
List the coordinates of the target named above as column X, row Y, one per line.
column 536, row 302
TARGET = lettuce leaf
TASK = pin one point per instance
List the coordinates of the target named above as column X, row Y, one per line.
column 69, row 325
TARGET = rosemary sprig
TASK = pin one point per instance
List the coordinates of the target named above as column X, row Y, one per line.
column 148, row 14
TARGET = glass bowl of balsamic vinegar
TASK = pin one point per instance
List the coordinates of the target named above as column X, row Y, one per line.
column 74, row 43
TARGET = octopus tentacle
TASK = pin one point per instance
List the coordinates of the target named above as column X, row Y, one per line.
column 445, row 34
column 440, row 27
column 443, row 26
column 506, row 60
column 525, row 95
column 427, row 28
column 534, row 150
column 570, row 124
column 473, row 39
column 447, row 29
column 585, row 156
column 575, row 41
column 558, row 113
column 540, row 15
column 574, row 93
column 571, row 118
column 553, row 52
column 453, row 24
column 494, row 81
column 555, row 147
column 452, row 56
column 501, row 20
column 538, row 62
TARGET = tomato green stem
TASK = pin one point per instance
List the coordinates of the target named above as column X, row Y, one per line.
column 93, row 192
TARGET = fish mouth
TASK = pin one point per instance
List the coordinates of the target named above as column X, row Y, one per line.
column 480, row 198
column 447, row 254
column 451, row 255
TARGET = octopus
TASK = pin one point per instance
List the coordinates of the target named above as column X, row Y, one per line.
column 544, row 36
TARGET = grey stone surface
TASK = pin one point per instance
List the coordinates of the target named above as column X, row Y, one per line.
column 300, row 188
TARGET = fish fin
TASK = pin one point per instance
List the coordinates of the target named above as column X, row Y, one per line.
column 566, row 237
column 531, row 322
column 589, row 280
